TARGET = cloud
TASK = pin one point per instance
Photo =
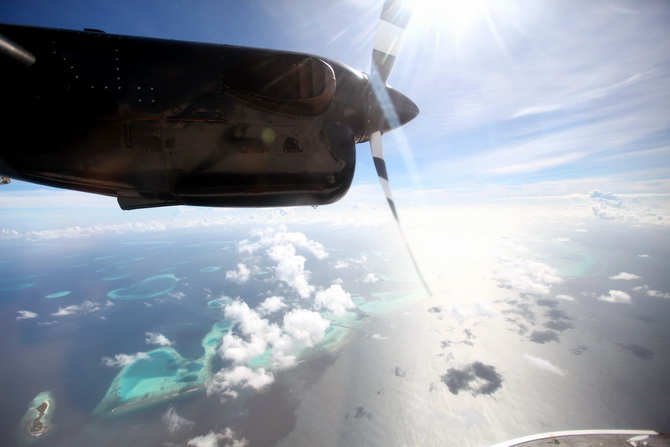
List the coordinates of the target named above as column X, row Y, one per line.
column 291, row 269
column 250, row 322
column 271, row 305
column 527, row 277
column 121, row 360
column 339, row 264
column 658, row 294
column 378, row 337
column 239, row 350
column 239, row 276
column 281, row 236
column 155, row 338
column 616, row 296
column 306, row 326
column 625, row 276
column 213, row 439
column 26, row 314
column 565, row 297
column 254, row 336
column 608, row 206
column 335, row 299
column 259, row 335
column 83, row 308
column 371, row 278
column 224, row 382
column 174, row 422
column 543, row 364
column 477, row 378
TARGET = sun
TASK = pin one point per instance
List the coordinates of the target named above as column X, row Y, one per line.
column 448, row 16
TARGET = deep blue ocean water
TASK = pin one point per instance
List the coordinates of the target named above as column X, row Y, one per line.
column 406, row 376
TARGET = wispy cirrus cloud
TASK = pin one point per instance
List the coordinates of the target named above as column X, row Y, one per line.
column 121, row 360
column 543, row 364
column 84, row 308
column 174, row 422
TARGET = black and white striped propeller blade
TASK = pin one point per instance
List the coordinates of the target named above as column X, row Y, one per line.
column 390, row 30
column 392, row 23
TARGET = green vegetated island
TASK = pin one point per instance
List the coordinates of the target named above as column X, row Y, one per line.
column 37, row 420
column 163, row 374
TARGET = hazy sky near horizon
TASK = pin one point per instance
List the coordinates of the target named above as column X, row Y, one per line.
column 518, row 98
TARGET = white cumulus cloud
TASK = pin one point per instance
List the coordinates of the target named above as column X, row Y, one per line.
column 271, row 305
column 565, row 297
column 305, row 325
column 256, row 335
column 239, row 276
column 281, row 236
column 371, row 278
column 339, row 264
column 625, row 276
column 291, row 269
column 213, row 439
column 658, row 294
column 609, row 206
column 26, row 314
column 155, row 338
column 335, row 299
column 616, row 296
column 224, row 382
column 524, row 276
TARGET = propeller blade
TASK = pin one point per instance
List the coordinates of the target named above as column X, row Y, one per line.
column 390, row 29
column 380, row 166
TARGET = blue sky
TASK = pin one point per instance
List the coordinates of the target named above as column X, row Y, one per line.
column 518, row 98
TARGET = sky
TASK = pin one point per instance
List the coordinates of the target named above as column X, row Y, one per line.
column 519, row 99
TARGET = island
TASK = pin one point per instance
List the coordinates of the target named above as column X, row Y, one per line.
column 37, row 420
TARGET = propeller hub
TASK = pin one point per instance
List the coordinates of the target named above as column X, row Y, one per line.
column 388, row 109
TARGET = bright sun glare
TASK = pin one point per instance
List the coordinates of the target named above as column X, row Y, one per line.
column 450, row 16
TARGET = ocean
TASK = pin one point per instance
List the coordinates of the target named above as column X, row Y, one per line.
column 520, row 339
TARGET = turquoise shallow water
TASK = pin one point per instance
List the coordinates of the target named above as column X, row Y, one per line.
column 148, row 288
column 59, row 294
column 161, row 363
column 17, row 287
column 115, row 277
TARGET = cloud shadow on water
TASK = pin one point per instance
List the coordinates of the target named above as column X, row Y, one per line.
column 362, row 412
column 558, row 325
column 477, row 378
column 543, row 337
column 638, row 351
